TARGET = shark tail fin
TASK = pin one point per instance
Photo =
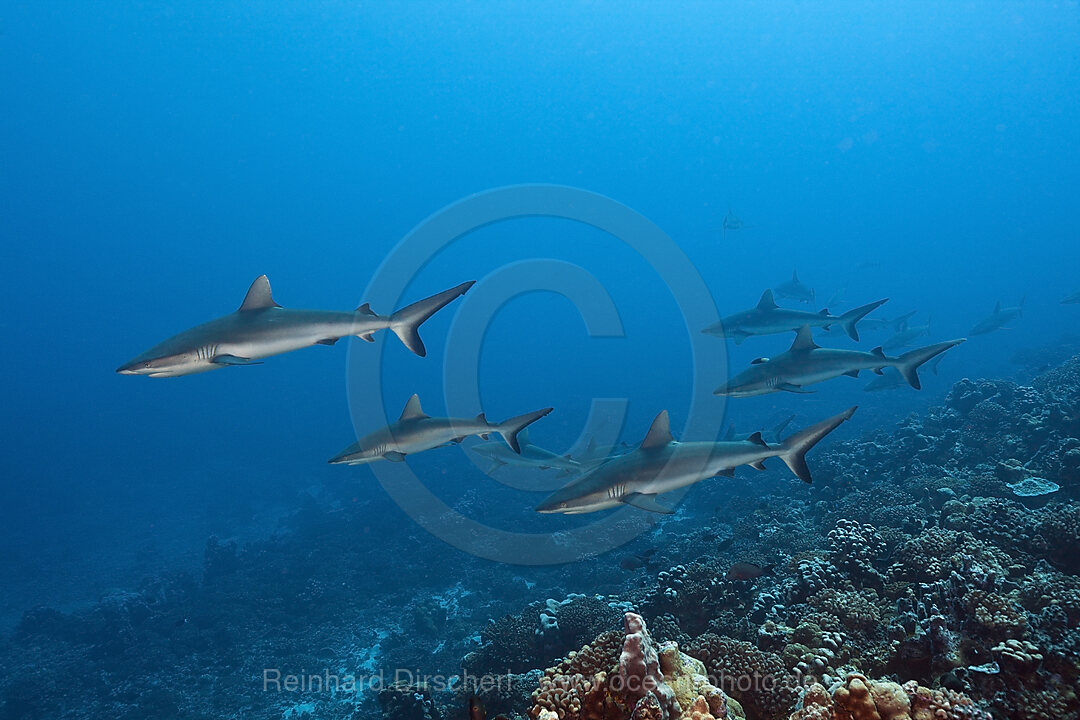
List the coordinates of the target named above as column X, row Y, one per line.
column 851, row 317
column 509, row 429
column 406, row 322
column 793, row 450
column 908, row 363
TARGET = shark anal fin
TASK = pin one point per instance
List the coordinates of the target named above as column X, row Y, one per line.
column 233, row 360
column 648, row 503
column 367, row 337
column 327, row 341
column 727, row 472
column 788, row 387
column 394, row 456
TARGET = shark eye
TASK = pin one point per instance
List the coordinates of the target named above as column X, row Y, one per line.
column 758, row 361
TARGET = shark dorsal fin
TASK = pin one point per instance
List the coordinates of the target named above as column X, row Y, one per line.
column 997, row 307
column 767, row 302
column 730, row 434
column 365, row 309
column 659, row 432
column 758, row 440
column 823, row 312
column 804, row 340
column 794, row 276
column 412, row 410
column 878, row 352
column 258, row 296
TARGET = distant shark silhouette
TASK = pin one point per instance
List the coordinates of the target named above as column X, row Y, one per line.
column 793, row 289
column 997, row 319
column 806, row 363
column 732, row 222
column 768, row 318
column 416, row 431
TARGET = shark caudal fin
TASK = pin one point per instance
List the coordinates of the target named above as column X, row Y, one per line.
column 793, row 450
column 848, row 319
column 406, row 322
column 908, row 363
column 509, row 429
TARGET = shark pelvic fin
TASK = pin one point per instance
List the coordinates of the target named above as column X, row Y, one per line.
column 258, row 296
column 852, row 373
column 767, row 302
column 233, row 360
column 327, row 341
column 804, row 340
column 647, row 503
column 659, row 432
column 412, row 410
column 759, row 465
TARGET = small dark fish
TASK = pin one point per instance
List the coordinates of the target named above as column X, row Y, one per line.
column 632, row 562
column 747, row 571
column 476, row 709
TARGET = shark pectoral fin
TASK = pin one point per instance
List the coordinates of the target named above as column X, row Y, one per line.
column 233, row 360
column 495, row 465
column 647, row 503
column 852, row 373
column 759, row 465
column 327, row 341
column 788, row 387
column 740, row 337
column 394, row 456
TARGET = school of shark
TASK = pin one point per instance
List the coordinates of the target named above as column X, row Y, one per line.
column 261, row 328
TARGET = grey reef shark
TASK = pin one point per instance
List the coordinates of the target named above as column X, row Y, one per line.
column 772, row 435
column 997, row 319
column 906, row 334
column 806, row 363
column 498, row 455
column 768, row 318
column 261, row 328
column 416, row 431
column 660, row 465
column 897, row 323
column 793, row 289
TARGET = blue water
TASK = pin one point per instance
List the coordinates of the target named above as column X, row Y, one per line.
column 158, row 157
